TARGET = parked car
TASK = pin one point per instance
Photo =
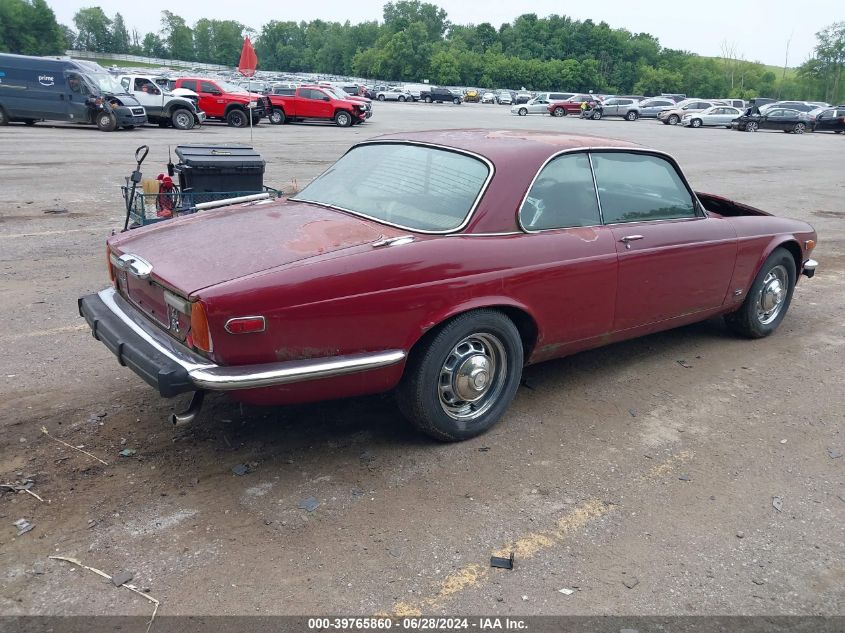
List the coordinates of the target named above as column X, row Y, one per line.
column 394, row 94
column 674, row 116
column 721, row 116
column 316, row 103
column 440, row 95
column 626, row 108
column 537, row 105
column 488, row 97
column 439, row 275
column 472, row 95
column 675, row 97
column 773, row 119
column 830, row 120
column 522, row 97
column 504, row 97
column 554, row 96
column 572, row 105
column 36, row 89
column 225, row 101
column 801, row 106
column 650, row 108
column 162, row 106
column 734, row 103
column 417, row 89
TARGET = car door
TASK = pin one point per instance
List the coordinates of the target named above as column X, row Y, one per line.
column 77, row 93
column 315, row 104
column 825, row 121
column 773, row 119
column 572, row 255
column 674, row 260
column 147, row 93
column 211, row 98
column 610, row 107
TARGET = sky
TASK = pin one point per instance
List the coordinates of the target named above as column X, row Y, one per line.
column 759, row 30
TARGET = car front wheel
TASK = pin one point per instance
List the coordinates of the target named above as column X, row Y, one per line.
column 695, row 123
column 237, row 118
column 768, row 299
column 182, row 119
column 462, row 379
column 106, row 122
column 523, row 112
column 799, row 128
column 673, row 119
column 343, row 119
column 632, row 116
column 559, row 112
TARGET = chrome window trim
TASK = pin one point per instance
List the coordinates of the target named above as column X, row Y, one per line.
column 491, row 170
column 699, row 209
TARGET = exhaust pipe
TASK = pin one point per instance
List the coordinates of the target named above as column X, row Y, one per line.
column 188, row 415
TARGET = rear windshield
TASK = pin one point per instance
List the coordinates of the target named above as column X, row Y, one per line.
column 415, row 187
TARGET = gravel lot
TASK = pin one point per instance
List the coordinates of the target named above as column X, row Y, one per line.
column 644, row 485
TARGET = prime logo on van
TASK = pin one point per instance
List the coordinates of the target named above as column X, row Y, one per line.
column 46, row 80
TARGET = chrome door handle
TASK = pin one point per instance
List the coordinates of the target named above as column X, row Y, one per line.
column 630, row 238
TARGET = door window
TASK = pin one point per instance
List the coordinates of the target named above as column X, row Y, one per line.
column 189, row 84
column 563, row 195
column 640, row 187
column 145, row 85
column 207, row 86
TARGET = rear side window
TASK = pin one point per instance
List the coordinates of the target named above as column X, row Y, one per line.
column 562, row 196
column 189, row 84
column 207, row 86
column 640, row 187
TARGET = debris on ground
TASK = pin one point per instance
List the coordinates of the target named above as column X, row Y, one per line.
column 128, row 452
column 366, row 456
column 56, row 211
column 241, row 469
column 633, row 412
column 684, row 364
column 777, row 503
column 484, row 449
column 740, row 534
column 23, row 526
column 38, row 568
column 631, row 582
column 566, row 592
column 685, row 478
column 309, row 504
column 122, row 578
column 131, row 588
column 834, row 453
column 357, row 492
column 47, row 433
column 502, row 563
column 22, row 486
column 783, row 441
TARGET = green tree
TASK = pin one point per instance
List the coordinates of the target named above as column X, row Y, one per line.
column 119, row 35
column 154, row 46
column 399, row 16
column 93, row 30
column 29, row 27
column 177, row 35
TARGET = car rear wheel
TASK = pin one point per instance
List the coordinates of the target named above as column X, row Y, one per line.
column 799, row 128
column 695, row 123
column 673, row 119
column 461, row 380
column 559, row 112
column 237, row 118
column 381, row 97
column 343, row 119
column 597, row 115
column 182, row 119
column 751, row 126
column 768, row 299
column 523, row 112
column 428, row 99
column 106, row 122
column 277, row 116
column 401, row 98
column 632, row 116
column 4, row 119
column 456, row 101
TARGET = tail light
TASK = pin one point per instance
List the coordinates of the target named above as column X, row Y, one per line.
column 200, row 336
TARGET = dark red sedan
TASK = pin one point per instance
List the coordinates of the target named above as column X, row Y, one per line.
column 454, row 259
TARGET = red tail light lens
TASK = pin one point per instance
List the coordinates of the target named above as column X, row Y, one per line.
column 200, row 336
column 246, row 325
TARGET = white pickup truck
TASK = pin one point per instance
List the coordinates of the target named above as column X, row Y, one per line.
column 162, row 106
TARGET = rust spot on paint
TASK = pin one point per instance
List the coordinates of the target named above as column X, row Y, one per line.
column 319, row 235
column 586, row 233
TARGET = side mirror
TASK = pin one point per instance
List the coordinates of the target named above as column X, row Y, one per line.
column 326, row 98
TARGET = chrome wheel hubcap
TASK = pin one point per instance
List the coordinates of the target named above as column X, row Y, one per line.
column 772, row 295
column 472, row 376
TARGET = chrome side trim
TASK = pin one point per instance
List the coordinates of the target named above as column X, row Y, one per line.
column 393, row 241
column 491, row 170
column 208, row 375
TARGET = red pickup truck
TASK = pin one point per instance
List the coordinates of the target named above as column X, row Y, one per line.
column 224, row 101
column 315, row 102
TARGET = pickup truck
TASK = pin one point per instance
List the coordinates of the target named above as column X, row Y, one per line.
column 315, row 103
column 225, row 101
column 162, row 106
column 439, row 95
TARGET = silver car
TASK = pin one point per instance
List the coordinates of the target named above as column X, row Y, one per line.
column 394, row 94
column 715, row 116
column 618, row 106
column 537, row 105
column 650, row 108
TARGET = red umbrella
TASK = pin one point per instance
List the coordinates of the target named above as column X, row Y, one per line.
column 249, row 61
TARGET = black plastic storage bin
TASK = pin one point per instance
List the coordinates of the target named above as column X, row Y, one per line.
column 204, row 169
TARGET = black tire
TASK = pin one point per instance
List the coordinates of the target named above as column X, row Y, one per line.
column 277, row 116
column 29, row 122
column 182, row 119
column 673, row 119
column 4, row 119
column 343, row 119
column 749, row 321
column 597, row 115
column 559, row 112
column 522, row 112
column 106, row 122
column 751, row 126
column 456, row 101
column 633, row 115
column 424, row 396
column 428, row 99
column 237, row 118
column 381, row 97
column 695, row 123
column 401, row 98
column 799, row 128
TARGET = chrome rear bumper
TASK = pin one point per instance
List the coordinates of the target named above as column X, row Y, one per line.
column 172, row 368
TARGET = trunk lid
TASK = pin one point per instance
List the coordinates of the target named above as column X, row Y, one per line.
column 191, row 253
